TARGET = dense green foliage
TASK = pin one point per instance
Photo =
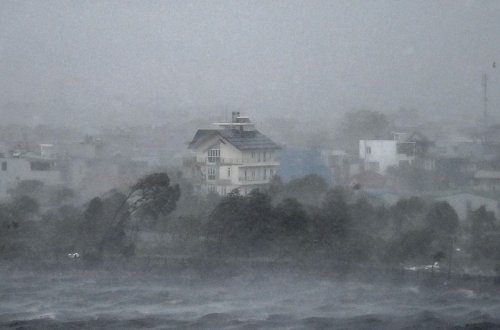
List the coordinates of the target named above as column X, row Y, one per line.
column 301, row 220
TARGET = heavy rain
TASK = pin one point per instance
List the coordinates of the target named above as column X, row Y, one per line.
column 249, row 164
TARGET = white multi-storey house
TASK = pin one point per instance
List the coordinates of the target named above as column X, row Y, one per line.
column 379, row 155
column 233, row 156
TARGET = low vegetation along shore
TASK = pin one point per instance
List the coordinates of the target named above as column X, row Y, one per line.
column 301, row 223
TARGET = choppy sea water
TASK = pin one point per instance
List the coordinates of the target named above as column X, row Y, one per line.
column 124, row 299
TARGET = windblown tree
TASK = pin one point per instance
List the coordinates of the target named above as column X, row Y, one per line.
column 151, row 197
column 483, row 235
column 63, row 232
column 15, row 226
column 244, row 225
column 291, row 220
column 335, row 214
column 407, row 213
column 276, row 186
column 442, row 219
column 225, row 224
column 332, row 224
column 308, row 190
column 291, row 226
column 422, row 243
column 368, row 218
column 258, row 218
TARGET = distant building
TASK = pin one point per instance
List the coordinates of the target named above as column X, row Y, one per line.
column 17, row 167
column 234, row 156
column 82, row 165
column 487, row 180
column 379, row 155
column 465, row 202
column 91, row 167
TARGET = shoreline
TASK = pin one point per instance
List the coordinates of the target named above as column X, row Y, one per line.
column 206, row 268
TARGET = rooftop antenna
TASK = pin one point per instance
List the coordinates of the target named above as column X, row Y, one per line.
column 485, row 98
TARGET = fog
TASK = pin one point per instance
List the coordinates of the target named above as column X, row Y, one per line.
column 148, row 62
column 249, row 164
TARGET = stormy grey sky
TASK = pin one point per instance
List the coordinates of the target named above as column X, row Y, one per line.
column 90, row 61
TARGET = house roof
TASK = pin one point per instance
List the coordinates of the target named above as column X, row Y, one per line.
column 242, row 140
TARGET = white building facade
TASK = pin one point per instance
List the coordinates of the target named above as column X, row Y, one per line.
column 27, row 167
column 235, row 156
column 379, row 155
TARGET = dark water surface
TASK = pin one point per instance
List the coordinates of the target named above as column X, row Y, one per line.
column 125, row 299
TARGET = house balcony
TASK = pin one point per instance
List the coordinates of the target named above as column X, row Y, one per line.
column 254, row 163
column 252, row 181
column 235, row 161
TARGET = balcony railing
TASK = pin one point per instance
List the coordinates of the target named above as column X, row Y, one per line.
column 232, row 161
column 256, row 180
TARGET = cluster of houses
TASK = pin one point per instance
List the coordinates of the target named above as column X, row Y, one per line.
column 85, row 166
column 235, row 155
column 464, row 172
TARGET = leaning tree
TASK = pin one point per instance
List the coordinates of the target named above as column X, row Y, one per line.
column 150, row 197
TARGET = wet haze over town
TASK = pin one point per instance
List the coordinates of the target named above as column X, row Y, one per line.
column 250, row 164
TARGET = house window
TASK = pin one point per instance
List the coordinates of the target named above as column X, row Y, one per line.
column 368, row 150
column 213, row 155
column 253, row 154
column 253, row 174
column 228, row 172
column 245, row 173
column 264, row 156
column 39, row 166
column 265, row 173
column 406, row 148
column 258, row 155
column 211, row 173
column 4, row 166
